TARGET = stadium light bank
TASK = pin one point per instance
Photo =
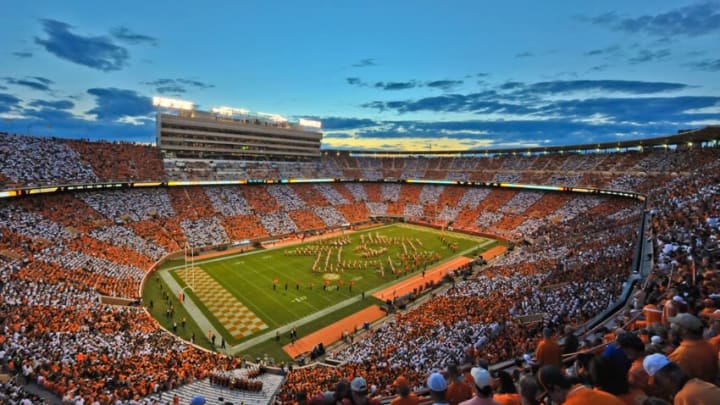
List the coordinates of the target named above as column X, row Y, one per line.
column 172, row 103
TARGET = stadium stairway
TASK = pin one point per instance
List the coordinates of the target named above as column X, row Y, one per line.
column 213, row 393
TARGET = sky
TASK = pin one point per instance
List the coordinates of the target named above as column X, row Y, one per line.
column 380, row 75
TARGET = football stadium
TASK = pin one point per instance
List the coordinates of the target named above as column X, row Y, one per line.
column 461, row 205
column 128, row 274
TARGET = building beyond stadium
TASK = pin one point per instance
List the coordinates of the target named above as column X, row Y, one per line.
column 208, row 135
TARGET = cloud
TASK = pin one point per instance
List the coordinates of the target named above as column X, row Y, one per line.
column 355, row 81
column 525, row 54
column 540, row 131
column 520, row 98
column 57, row 105
column 337, row 135
column 368, row 62
column 66, row 125
column 445, row 85
column 96, row 52
column 341, row 123
column 621, row 86
column 641, row 111
column 646, row 55
column 599, row 68
column 195, row 83
column 480, row 103
column 395, row 85
column 708, row 65
column 690, row 21
column 114, row 104
column 612, row 49
column 124, row 34
column 23, row 54
column 176, row 86
column 34, row 82
column 8, row 102
column 171, row 89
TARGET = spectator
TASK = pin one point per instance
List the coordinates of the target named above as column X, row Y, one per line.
column 359, row 393
column 404, row 395
column 560, row 390
column 482, row 387
column 506, row 393
column 458, row 390
column 548, row 351
column 695, row 356
column 438, row 388
column 676, row 386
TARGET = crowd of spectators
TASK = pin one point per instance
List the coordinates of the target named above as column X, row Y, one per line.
column 594, row 242
column 575, row 255
column 34, row 161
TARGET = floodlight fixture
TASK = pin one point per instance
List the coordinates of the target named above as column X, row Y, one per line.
column 172, row 103
column 309, row 123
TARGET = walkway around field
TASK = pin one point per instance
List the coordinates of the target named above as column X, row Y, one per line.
column 333, row 332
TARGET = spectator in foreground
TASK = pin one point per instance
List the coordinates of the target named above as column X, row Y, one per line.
column 695, row 356
column 359, row 393
column 482, row 382
column 438, row 388
column 673, row 384
column 458, row 390
column 559, row 389
column 405, row 395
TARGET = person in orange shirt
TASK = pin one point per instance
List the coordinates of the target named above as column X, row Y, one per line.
column 405, row 396
column 695, row 356
column 555, row 385
column 458, row 390
column 652, row 314
column 548, row 351
column 672, row 307
column 714, row 319
column 506, row 393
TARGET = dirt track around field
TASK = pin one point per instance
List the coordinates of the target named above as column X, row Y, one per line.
column 333, row 332
column 433, row 274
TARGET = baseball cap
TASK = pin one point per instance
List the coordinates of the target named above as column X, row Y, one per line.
column 198, row 400
column 687, row 321
column 481, row 377
column 436, row 382
column 359, row 384
column 654, row 362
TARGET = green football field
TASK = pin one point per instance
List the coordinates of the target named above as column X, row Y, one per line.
column 280, row 286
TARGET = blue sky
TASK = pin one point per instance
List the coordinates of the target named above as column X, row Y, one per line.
column 402, row 75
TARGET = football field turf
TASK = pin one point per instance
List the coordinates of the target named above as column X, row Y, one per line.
column 248, row 294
